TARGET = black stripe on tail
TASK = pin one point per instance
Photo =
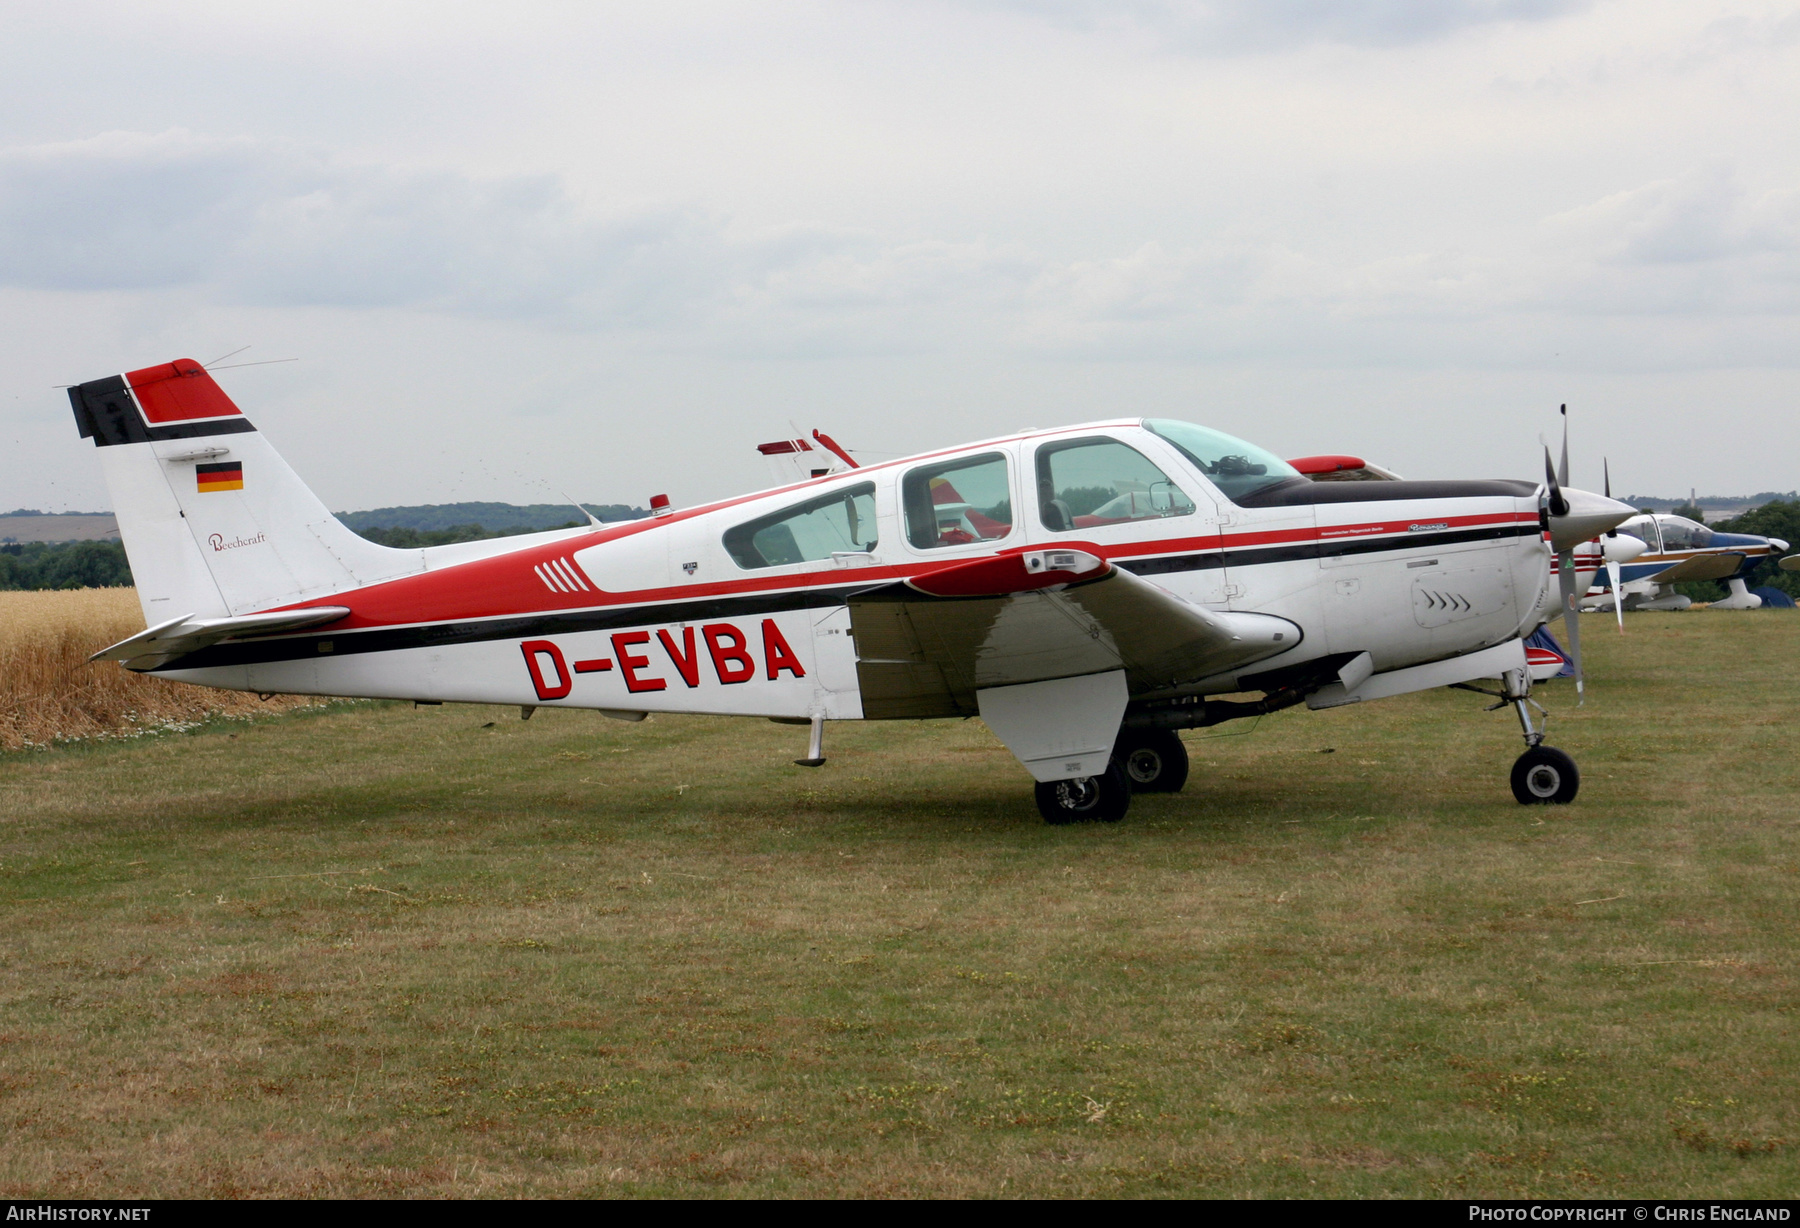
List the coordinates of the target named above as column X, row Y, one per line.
column 106, row 413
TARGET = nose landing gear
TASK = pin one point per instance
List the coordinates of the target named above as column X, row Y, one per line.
column 1542, row 775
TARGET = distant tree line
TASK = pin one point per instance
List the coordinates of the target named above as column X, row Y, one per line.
column 40, row 565
column 101, row 564
column 402, row 537
column 491, row 517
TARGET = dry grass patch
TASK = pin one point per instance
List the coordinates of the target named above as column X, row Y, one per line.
column 50, row 693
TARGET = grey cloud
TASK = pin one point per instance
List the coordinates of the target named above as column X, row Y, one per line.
column 276, row 226
column 1270, row 25
column 255, row 224
column 1705, row 214
column 285, row 227
column 122, row 210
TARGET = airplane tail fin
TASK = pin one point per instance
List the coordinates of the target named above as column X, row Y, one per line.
column 214, row 522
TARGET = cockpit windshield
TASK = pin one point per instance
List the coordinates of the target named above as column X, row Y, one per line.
column 1644, row 529
column 1237, row 468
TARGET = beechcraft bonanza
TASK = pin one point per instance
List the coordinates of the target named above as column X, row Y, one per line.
column 1086, row 591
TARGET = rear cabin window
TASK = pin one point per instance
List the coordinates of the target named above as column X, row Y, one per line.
column 958, row 502
column 1088, row 483
column 840, row 522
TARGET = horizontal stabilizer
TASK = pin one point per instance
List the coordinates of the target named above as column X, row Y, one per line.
column 179, row 636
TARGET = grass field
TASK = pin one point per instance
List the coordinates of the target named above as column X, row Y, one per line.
column 375, row 950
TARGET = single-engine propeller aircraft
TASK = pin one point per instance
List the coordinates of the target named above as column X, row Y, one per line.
column 1677, row 549
column 1087, row 591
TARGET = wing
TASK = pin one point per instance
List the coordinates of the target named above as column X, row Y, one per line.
column 926, row 645
column 1702, row 567
column 166, row 641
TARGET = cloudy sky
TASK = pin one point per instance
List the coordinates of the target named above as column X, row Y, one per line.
column 607, row 248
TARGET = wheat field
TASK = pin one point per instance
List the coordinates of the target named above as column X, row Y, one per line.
column 49, row 692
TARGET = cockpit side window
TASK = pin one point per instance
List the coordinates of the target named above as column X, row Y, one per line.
column 1088, row 483
column 842, row 521
column 1680, row 533
column 958, row 502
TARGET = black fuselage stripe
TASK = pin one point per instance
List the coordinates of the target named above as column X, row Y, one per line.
column 714, row 609
column 1256, row 556
column 528, row 626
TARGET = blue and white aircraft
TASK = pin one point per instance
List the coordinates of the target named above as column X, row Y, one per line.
column 1677, row 549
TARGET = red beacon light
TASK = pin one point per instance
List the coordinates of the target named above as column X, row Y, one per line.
column 1310, row 465
column 659, row 505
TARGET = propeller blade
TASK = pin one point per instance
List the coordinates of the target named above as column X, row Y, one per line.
column 1606, row 474
column 1559, row 506
column 1612, row 578
column 1565, row 569
column 1562, row 473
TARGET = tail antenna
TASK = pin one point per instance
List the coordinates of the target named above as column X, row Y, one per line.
column 221, row 358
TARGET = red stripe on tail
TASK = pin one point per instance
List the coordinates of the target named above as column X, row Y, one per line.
column 179, row 391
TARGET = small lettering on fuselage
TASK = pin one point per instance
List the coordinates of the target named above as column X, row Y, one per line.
column 1427, row 528
column 684, row 654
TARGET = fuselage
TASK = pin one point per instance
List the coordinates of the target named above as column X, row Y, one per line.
column 740, row 606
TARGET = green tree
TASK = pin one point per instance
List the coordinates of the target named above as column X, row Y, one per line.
column 41, row 565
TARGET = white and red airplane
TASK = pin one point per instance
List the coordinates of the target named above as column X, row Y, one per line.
column 1087, row 591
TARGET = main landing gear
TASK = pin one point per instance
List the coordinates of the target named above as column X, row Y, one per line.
column 1155, row 760
column 1543, row 775
column 1092, row 799
column 1143, row 761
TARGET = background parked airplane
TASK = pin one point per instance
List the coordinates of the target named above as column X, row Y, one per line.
column 1677, row 549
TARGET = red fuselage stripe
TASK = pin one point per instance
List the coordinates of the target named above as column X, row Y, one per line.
column 484, row 588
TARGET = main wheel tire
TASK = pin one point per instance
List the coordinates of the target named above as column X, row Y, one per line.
column 1155, row 760
column 1086, row 799
column 1544, row 776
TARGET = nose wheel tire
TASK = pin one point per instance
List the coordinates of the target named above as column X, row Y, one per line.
column 1155, row 760
column 1086, row 799
column 1544, row 776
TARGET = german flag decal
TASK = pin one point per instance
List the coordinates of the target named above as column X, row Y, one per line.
column 228, row 475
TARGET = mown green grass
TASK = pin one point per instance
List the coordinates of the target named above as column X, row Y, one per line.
column 385, row 951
